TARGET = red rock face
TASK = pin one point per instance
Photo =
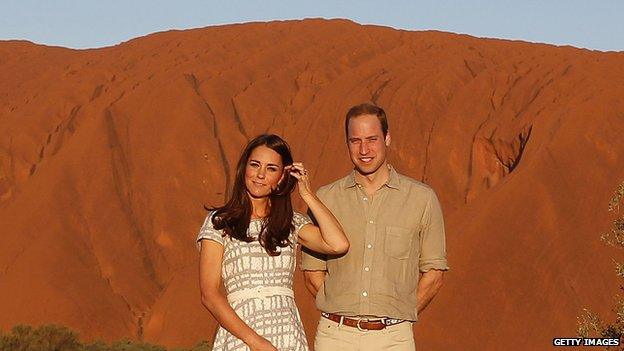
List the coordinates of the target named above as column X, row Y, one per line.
column 107, row 157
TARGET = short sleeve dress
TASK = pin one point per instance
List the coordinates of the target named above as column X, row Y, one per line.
column 247, row 268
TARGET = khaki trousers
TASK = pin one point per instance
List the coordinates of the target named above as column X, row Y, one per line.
column 331, row 336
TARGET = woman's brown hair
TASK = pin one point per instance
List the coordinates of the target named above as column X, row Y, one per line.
column 234, row 217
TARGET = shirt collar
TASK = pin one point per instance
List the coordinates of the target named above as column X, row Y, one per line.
column 392, row 182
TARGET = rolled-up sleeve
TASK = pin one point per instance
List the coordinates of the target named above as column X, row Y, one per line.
column 312, row 261
column 432, row 238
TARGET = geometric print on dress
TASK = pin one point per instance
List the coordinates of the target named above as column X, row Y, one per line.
column 247, row 265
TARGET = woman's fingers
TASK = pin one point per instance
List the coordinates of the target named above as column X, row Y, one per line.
column 297, row 170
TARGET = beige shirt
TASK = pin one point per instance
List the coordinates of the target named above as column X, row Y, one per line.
column 394, row 235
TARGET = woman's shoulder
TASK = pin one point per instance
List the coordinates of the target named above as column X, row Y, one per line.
column 208, row 221
column 299, row 216
column 209, row 232
column 300, row 219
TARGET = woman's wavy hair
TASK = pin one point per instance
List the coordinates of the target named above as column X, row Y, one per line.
column 234, row 217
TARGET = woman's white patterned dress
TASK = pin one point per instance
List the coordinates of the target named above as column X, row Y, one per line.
column 271, row 312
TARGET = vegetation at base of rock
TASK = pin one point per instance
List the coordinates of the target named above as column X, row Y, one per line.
column 58, row 338
column 589, row 323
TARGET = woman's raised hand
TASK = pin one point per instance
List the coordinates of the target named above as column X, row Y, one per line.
column 298, row 171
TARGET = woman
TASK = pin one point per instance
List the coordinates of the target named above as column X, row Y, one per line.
column 250, row 243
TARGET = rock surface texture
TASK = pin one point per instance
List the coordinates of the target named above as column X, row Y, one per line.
column 107, row 157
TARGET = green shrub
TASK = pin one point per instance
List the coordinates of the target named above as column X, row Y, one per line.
column 201, row 346
column 59, row 338
column 43, row 338
column 590, row 324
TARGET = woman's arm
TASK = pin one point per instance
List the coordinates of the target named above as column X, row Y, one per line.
column 211, row 257
column 328, row 237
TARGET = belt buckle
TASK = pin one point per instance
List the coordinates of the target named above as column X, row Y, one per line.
column 359, row 327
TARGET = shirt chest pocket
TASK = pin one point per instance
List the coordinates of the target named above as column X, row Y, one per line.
column 398, row 242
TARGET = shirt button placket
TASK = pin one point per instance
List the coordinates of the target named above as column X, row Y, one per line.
column 368, row 258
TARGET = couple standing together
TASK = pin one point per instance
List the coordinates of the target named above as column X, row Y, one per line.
column 373, row 248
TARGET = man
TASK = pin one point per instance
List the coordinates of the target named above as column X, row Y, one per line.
column 370, row 296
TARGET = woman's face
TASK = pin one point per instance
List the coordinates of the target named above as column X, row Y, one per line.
column 263, row 171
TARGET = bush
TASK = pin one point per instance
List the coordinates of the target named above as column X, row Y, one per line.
column 590, row 324
column 58, row 338
column 44, row 338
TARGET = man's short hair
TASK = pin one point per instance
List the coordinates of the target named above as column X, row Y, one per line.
column 367, row 109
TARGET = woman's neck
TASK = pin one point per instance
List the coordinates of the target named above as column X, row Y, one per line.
column 260, row 207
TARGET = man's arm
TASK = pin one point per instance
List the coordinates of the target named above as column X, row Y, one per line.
column 313, row 281
column 432, row 262
column 428, row 286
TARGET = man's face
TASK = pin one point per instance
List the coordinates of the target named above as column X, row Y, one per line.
column 367, row 145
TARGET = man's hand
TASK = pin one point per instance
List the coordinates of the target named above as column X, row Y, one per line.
column 428, row 286
column 313, row 281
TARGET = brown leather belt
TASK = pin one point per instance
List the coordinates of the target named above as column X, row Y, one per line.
column 361, row 324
